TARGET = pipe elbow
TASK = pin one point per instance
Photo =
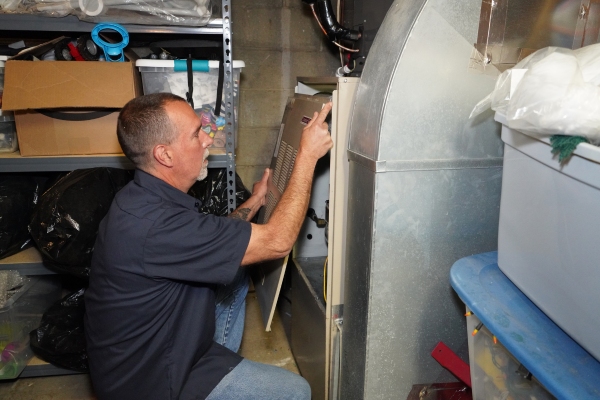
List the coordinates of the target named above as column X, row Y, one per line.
column 333, row 29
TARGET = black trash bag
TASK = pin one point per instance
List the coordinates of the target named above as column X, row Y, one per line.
column 65, row 223
column 60, row 339
column 18, row 196
column 212, row 191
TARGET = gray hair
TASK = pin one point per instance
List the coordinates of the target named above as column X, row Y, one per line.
column 143, row 123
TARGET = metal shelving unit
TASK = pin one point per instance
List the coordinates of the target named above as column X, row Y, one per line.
column 29, row 261
column 219, row 158
column 14, row 162
column 70, row 23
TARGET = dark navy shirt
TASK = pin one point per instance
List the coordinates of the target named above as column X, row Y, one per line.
column 150, row 306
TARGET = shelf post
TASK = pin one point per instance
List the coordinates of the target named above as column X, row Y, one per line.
column 230, row 126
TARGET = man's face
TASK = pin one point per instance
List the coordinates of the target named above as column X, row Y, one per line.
column 204, row 171
column 191, row 143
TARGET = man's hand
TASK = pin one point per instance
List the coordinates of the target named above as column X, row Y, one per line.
column 248, row 210
column 316, row 140
column 260, row 190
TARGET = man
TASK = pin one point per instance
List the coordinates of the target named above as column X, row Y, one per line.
column 162, row 272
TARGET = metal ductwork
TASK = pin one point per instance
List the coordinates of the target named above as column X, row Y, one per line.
column 424, row 191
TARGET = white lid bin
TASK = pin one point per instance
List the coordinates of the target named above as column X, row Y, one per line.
column 548, row 232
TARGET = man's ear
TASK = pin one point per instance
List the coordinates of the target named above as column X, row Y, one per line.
column 163, row 155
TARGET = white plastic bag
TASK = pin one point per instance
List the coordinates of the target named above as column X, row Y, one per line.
column 146, row 12
column 554, row 91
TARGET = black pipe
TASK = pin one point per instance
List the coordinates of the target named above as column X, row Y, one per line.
column 327, row 18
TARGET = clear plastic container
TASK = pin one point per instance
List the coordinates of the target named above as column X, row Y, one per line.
column 8, row 134
column 8, row 131
column 21, row 314
column 170, row 76
column 495, row 373
column 2, row 61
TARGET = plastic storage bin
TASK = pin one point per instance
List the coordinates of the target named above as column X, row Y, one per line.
column 2, row 62
column 8, row 132
column 548, row 232
column 20, row 315
column 561, row 365
column 495, row 373
column 170, row 76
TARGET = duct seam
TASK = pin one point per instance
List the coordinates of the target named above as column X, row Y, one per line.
column 381, row 166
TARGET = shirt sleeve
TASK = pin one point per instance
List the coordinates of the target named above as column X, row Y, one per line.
column 186, row 245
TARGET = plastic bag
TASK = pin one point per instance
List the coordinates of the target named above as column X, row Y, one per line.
column 60, row 339
column 10, row 283
column 554, row 91
column 144, row 12
column 18, row 197
column 65, row 223
column 14, row 357
column 212, row 191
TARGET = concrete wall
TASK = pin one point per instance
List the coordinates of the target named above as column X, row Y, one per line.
column 279, row 40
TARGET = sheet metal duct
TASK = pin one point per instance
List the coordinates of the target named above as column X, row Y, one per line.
column 424, row 191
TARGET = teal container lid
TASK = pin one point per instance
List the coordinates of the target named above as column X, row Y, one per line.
column 197, row 65
column 181, row 65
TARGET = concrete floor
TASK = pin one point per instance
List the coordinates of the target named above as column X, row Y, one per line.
column 257, row 345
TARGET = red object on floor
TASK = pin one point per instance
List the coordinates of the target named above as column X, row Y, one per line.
column 449, row 360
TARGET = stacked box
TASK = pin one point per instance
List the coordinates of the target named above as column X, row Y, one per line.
column 68, row 108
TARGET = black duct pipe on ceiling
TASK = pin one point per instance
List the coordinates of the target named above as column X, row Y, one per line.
column 329, row 23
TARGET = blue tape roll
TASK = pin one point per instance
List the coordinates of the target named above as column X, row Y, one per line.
column 197, row 65
column 112, row 51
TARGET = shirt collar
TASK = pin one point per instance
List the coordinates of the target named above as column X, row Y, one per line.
column 165, row 191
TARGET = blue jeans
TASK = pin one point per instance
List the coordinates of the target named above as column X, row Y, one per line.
column 230, row 311
column 255, row 381
column 249, row 380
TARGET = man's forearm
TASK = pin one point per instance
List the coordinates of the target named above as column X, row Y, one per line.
column 247, row 210
column 290, row 212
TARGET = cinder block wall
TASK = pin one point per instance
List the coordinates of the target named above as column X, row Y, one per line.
column 279, row 40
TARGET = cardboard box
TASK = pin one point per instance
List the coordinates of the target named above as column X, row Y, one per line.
column 68, row 107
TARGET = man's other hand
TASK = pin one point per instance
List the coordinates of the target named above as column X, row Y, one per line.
column 316, row 140
column 259, row 190
column 248, row 210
